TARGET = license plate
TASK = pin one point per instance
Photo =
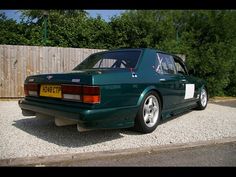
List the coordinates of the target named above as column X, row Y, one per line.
column 50, row 91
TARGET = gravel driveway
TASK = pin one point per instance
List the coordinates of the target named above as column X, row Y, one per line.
column 27, row 136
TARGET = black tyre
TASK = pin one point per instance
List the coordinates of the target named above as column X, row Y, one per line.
column 203, row 99
column 149, row 113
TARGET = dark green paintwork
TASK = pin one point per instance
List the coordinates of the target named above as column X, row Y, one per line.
column 121, row 94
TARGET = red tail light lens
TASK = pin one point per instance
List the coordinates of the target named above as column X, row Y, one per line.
column 71, row 89
column 71, row 92
column 26, row 90
column 91, row 90
column 86, row 94
column 31, row 89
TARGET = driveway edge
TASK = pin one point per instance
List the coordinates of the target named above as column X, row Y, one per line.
column 39, row 161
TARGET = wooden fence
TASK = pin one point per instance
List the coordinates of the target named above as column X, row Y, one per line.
column 18, row 62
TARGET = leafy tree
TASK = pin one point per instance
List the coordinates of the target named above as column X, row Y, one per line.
column 210, row 51
column 11, row 32
column 207, row 38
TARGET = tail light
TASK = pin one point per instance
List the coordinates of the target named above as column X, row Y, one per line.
column 86, row 94
column 91, row 94
column 71, row 92
column 91, row 99
column 31, row 89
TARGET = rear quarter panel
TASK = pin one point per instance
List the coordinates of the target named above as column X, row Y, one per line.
column 121, row 89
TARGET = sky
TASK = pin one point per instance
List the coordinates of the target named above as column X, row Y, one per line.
column 105, row 14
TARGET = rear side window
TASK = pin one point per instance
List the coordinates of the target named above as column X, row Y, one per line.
column 166, row 64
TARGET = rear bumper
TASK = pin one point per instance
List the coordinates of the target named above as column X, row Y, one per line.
column 52, row 109
column 121, row 117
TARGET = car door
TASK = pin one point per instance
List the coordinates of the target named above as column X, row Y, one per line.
column 187, row 82
column 171, row 83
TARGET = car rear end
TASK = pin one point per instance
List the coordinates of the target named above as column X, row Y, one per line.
column 68, row 96
column 90, row 95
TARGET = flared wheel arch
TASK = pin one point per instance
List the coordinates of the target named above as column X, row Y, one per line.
column 148, row 89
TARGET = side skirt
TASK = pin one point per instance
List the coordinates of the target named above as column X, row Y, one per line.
column 174, row 112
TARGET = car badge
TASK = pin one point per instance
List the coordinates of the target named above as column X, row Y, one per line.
column 76, row 80
column 49, row 77
column 134, row 74
column 31, row 80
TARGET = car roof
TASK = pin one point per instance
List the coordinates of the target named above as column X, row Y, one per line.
column 143, row 49
column 156, row 50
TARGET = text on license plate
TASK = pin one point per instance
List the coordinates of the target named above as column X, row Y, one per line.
column 50, row 91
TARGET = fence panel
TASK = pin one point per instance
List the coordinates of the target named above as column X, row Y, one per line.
column 18, row 62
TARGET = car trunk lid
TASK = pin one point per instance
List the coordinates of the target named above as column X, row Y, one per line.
column 73, row 77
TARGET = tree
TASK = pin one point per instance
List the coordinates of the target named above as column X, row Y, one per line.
column 207, row 38
column 11, row 32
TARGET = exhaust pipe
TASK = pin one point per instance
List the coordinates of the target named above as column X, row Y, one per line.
column 59, row 121
column 82, row 129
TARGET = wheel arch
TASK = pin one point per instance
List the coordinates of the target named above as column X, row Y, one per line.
column 148, row 89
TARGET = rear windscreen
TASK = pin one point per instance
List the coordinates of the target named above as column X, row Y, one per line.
column 117, row 59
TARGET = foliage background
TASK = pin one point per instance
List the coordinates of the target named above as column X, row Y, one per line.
column 206, row 37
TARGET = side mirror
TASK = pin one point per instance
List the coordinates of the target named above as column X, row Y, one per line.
column 191, row 72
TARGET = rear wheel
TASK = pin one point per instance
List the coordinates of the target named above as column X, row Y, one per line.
column 203, row 99
column 149, row 113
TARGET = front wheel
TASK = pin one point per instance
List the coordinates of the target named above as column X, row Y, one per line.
column 203, row 99
column 149, row 113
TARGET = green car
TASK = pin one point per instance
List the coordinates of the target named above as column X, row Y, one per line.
column 116, row 89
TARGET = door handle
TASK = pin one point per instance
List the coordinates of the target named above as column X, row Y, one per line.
column 162, row 80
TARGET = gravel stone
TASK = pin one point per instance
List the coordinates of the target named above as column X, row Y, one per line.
column 29, row 136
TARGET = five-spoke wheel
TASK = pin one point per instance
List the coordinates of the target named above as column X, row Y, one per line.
column 203, row 99
column 149, row 113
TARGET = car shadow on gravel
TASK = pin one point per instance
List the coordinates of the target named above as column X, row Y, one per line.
column 129, row 131
column 177, row 115
column 67, row 136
